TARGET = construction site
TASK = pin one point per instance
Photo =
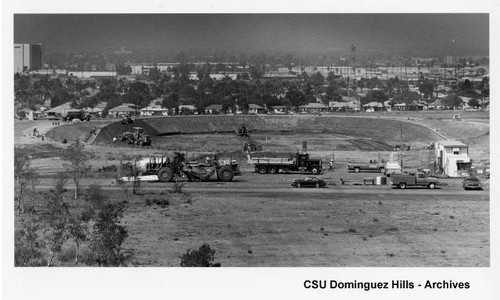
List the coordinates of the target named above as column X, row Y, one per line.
column 234, row 174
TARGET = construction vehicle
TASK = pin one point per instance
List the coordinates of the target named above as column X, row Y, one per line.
column 373, row 165
column 138, row 137
column 126, row 119
column 242, row 130
column 162, row 168
column 414, row 178
column 299, row 163
column 456, row 117
column 76, row 114
column 249, row 144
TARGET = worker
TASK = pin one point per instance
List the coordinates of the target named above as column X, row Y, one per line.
column 331, row 164
column 35, row 131
column 114, row 139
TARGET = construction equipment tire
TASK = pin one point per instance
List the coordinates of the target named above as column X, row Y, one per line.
column 225, row 174
column 165, row 174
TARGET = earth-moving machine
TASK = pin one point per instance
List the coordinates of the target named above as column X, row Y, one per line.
column 249, row 144
column 126, row 119
column 301, row 162
column 76, row 114
column 138, row 137
column 164, row 169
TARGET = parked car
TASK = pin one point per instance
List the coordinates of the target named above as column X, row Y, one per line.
column 472, row 183
column 309, row 182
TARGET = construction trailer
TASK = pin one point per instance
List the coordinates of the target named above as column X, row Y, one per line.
column 452, row 158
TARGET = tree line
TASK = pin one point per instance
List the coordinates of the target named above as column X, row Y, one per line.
column 176, row 87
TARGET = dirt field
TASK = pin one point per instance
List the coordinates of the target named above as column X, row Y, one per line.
column 261, row 221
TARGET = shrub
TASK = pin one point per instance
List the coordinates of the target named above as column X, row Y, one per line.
column 28, row 247
column 202, row 257
column 178, row 188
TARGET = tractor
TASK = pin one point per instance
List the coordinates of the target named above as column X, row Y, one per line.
column 137, row 137
column 126, row 119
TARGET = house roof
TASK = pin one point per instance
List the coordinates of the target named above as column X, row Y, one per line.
column 121, row 108
column 254, row 106
column 373, row 104
column 61, row 108
column 452, row 144
column 314, row 105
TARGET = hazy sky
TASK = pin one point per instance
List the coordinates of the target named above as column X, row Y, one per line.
column 455, row 34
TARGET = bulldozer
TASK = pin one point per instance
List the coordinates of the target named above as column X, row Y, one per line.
column 242, row 130
column 138, row 137
column 164, row 169
column 126, row 119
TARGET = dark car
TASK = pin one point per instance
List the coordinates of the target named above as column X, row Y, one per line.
column 472, row 183
column 309, row 182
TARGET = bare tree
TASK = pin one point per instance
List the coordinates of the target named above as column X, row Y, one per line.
column 76, row 164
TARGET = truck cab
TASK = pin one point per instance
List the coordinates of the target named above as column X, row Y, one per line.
column 304, row 163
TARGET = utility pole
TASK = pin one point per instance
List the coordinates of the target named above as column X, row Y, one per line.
column 401, row 149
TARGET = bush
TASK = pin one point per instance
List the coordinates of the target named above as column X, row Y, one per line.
column 67, row 254
column 202, row 257
column 178, row 188
column 28, row 246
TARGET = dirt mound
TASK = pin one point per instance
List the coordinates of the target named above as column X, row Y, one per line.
column 363, row 145
column 375, row 134
column 376, row 129
column 71, row 132
column 113, row 130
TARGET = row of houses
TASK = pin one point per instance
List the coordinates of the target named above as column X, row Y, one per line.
column 155, row 109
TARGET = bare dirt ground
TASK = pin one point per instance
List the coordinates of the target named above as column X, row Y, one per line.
column 261, row 221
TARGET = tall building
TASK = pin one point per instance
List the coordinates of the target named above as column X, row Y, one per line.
column 27, row 57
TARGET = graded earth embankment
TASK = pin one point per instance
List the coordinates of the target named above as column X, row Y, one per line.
column 372, row 128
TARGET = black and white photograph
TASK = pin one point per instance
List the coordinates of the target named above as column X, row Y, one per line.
column 170, row 140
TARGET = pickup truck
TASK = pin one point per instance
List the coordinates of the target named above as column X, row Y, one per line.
column 373, row 165
column 414, row 179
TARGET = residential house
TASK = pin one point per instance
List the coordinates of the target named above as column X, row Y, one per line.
column 281, row 109
column 373, row 106
column 313, row 108
column 213, row 109
column 255, row 109
column 188, row 109
column 154, row 110
column 124, row 109
column 59, row 111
